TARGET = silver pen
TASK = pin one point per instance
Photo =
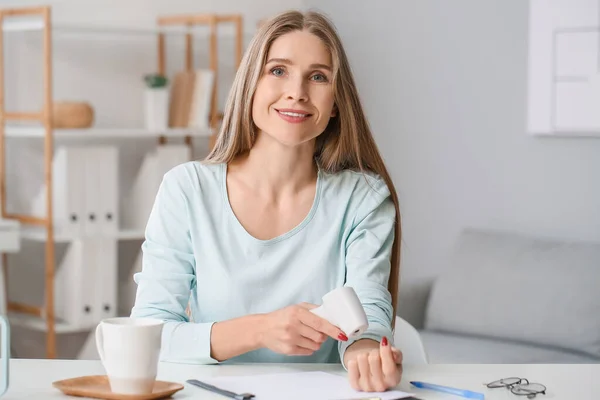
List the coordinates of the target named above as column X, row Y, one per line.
column 214, row 389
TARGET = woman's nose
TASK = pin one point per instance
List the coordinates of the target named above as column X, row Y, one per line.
column 296, row 89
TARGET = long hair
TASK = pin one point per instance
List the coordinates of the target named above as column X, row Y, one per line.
column 346, row 143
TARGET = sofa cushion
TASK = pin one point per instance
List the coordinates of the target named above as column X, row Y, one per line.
column 447, row 348
column 521, row 288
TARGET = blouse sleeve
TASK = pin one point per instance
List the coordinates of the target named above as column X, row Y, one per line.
column 168, row 275
column 368, row 263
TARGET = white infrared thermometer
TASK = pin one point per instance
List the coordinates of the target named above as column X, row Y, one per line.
column 342, row 308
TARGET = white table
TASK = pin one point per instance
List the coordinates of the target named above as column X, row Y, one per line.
column 32, row 379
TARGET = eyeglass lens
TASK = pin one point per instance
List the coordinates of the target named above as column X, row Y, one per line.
column 504, row 382
column 519, row 386
column 532, row 388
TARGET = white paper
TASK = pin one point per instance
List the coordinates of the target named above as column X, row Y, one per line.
column 315, row 385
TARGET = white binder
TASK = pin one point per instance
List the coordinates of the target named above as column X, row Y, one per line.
column 128, row 288
column 145, row 187
column 171, row 156
column 68, row 195
column 201, row 99
column 107, row 161
column 105, row 267
column 73, row 303
column 141, row 195
column 91, row 187
column 87, row 264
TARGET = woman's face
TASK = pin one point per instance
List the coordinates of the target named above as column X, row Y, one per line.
column 294, row 96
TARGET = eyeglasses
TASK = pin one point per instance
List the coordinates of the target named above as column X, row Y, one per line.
column 519, row 386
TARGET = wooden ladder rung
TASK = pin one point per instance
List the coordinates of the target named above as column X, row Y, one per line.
column 197, row 19
column 229, row 18
column 25, row 308
column 27, row 219
column 21, row 116
column 23, row 11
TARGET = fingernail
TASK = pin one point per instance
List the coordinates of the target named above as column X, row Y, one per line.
column 343, row 337
column 384, row 341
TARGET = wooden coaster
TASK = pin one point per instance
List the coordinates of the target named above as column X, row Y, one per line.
column 97, row 387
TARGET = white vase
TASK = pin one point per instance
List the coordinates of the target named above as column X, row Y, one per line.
column 156, row 111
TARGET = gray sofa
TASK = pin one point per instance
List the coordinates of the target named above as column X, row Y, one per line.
column 509, row 298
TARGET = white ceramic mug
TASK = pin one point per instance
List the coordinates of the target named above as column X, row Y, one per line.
column 129, row 349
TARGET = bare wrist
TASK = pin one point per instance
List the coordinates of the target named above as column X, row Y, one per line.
column 235, row 337
column 257, row 330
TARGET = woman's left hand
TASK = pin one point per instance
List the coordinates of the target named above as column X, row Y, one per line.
column 375, row 370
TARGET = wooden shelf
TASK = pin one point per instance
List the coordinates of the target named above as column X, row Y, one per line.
column 38, row 234
column 103, row 133
column 23, row 24
column 39, row 324
column 33, row 23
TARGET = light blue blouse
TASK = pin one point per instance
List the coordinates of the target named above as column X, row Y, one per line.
column 196, row 251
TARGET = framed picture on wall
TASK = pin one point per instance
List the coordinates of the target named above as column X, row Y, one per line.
column 564, row 68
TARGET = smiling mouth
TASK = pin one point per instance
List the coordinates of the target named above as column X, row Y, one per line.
column 293, row 116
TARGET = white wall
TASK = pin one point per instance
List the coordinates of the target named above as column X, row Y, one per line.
column 444, row 85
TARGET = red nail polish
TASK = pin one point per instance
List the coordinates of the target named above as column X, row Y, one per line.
column 343, row 337
column 384, row 341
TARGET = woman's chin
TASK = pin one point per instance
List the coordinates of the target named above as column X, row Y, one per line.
column 292, row 139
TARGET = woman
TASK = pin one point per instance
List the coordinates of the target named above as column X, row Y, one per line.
column 293, row 202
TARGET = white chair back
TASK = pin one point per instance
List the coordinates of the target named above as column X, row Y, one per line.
column 408, row 340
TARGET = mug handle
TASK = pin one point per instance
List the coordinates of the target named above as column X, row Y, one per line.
column 100, row 341
column 5, row 332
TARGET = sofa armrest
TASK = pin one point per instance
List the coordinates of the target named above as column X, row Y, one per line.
column 412, row 301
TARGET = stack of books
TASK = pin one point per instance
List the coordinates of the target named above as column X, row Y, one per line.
column 191, row 94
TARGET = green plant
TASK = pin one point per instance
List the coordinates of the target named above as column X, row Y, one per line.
column 155, row 80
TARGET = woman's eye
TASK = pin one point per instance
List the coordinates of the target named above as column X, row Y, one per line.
column 277, row 71
column 319, row 78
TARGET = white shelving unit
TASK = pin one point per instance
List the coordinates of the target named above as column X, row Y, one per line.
column 38, row 126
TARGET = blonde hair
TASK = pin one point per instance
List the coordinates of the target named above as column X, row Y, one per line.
column 346, row 143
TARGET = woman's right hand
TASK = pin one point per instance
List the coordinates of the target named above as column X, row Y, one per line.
column 294, row 330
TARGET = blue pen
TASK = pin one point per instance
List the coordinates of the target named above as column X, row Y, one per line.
column 446, row 389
